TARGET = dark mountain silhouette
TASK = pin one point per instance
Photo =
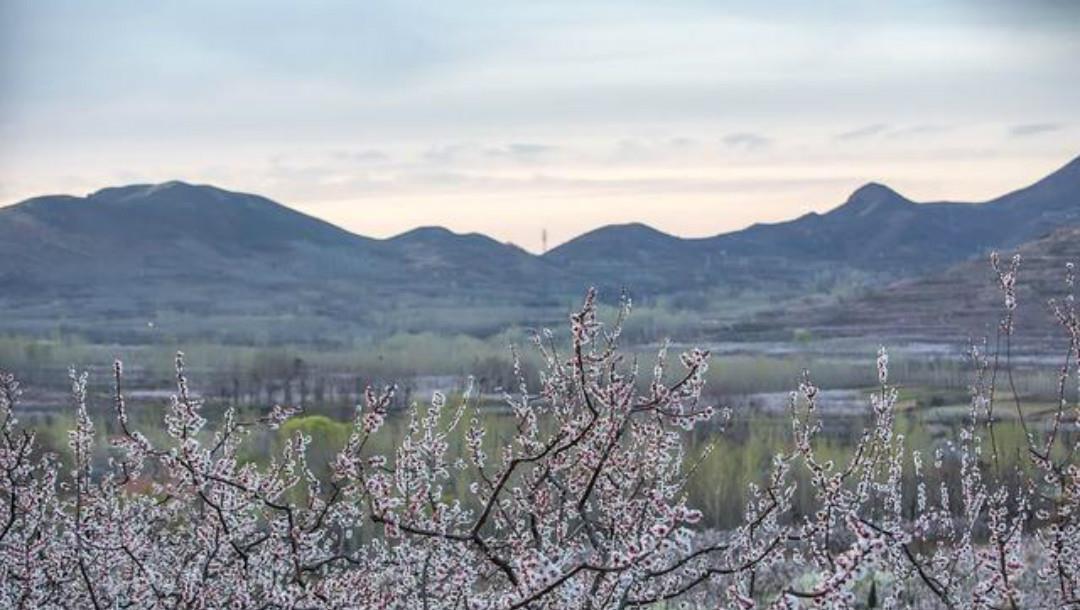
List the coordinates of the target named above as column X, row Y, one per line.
column 880, row 229
column 200, row 255
column 467, row 260
column 123, row 260
column 144, row 240
column 138, row 223
column 876, row 230
column 189, row 230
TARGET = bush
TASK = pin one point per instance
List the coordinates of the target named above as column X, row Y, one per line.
column 583, row 507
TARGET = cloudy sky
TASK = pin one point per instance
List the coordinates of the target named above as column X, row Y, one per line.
column 510, row 118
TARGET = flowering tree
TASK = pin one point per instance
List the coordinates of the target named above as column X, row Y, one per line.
column 584, row 507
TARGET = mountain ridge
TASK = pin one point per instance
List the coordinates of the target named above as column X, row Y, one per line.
column 140, row 250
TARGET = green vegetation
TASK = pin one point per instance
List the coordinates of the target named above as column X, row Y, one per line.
column 725, row 461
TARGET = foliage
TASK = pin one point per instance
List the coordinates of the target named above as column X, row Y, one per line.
column 584, row 506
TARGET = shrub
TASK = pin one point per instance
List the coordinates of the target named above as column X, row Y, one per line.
column 583, row 508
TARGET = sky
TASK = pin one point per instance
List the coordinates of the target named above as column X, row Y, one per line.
column 516, row 118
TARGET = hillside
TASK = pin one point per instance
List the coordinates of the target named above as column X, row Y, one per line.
column 150, row 261
column 951, row 306
column 463, row 262
column 876, row 231
column 154, row 262
column 171, row 231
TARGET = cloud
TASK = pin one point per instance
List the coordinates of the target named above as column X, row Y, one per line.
column 432, row 182
column 918, row 130
column 522, row 151
column 862, row 132
column 370, row 155
column 636, row 150
column 447, row 153
column 1033, row 129
column 746, row 140
column 474, row 153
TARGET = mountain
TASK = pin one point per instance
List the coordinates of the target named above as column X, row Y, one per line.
column 953, row 306
column 172, row 245
column 141, row 230
column 877, row 228
column 876, row 231
column 147, row 262
column 467, row 261
column 178, row 211
column 633, row 256
column 128, row 263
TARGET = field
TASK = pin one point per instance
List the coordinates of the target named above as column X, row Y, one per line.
column 754, row 380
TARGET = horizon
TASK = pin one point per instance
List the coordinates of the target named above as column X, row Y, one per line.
column 822, row 208
column 384, row 117
column 559, row 305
